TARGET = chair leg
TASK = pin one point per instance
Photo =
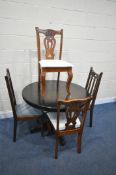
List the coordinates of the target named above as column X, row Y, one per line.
column 15, row 131
column 56, row 147
column 91, row 117
column 43, row 74
column 58, row 76
column 39, row 72
column 79, row 143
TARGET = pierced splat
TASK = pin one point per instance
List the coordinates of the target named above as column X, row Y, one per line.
column 71, row 119
column 74, row 109
column 49, row 43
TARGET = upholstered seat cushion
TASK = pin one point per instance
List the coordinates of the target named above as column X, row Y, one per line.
column 53, row 118
column 25, row 109
column 54, row 63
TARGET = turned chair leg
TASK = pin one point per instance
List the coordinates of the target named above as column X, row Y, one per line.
column 69, row 79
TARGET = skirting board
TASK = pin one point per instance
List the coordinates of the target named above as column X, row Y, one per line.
column 5, row 114
column 105, row 100
column 8, row 114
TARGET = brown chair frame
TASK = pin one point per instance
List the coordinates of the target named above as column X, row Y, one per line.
column 49, row 44
column 13, row 105
column 49, row 39
column 92, row 86
column 75, row 108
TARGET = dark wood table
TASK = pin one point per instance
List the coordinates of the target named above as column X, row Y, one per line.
column 54, row 90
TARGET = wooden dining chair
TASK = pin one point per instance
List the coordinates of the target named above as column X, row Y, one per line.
column 71, row 121
column 92, row 87
column 50, row 61
column 20, row 112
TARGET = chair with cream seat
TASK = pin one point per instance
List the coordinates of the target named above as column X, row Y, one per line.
column 49, row 63
column 71, row 121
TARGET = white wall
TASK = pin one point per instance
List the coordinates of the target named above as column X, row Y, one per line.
column 89, row 40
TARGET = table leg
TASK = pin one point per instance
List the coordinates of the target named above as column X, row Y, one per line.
column 70, row 76
column 41, row 125
column 36, row 128
column 62, row 141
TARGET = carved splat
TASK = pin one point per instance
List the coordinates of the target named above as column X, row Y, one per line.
column 72, row 113
column 75, row 109
column 49, row 43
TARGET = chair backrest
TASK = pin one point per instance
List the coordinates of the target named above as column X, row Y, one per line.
column 92, row 84
column 75, row 108
column 10, row 91
column 49, row 42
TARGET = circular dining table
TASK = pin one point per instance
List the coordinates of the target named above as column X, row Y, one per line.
column 54, row 91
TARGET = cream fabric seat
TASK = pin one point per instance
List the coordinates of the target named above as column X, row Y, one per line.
column 54, row 63
column 53, row 118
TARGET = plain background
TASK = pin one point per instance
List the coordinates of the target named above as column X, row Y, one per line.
column 89, row 40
